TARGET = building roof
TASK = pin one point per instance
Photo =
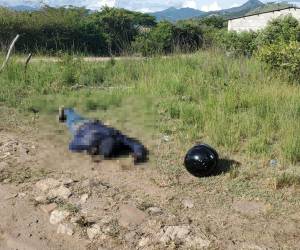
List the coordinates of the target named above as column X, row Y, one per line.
column 260, row 13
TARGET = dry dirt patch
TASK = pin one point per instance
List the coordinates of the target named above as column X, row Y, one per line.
column 102, row 204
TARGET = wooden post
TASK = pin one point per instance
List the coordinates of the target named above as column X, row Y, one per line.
column 9, row 52
column 26, row 65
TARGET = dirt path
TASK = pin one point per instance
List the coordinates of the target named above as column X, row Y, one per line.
column 38, row 59
column 86, row 59
column 52, row 199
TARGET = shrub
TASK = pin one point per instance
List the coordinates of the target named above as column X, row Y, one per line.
column 217, row 22
column 165, row 38
column 72, row 29
column 280, row 30
column 287, row 180
column 158, row 40
column 243, row 43
column 282, row 56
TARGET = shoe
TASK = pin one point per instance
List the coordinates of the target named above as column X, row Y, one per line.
column 61, row 115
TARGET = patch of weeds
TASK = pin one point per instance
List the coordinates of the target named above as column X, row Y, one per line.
column 92, row 75
column 67, row 206
column 234, row 172
column 113, row 229
column 103, row 101
column 69, row 68
column 25, row 175
column 287, row 180
column 144, row 205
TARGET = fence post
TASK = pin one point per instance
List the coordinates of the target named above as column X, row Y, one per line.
column 9, row 52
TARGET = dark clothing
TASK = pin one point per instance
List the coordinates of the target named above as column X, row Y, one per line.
column 93, row 136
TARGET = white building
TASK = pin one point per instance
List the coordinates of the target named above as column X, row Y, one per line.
column 256, row 22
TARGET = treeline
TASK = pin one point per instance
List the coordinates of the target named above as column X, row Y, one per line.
column 109, row 31
column 113, row 31
column 51, row 30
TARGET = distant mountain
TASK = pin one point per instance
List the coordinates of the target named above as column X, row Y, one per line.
column 23, row 8
column 172, row 14
column 241, row 10
column 270, row 7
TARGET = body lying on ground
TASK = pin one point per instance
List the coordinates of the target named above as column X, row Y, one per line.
column 96, row 138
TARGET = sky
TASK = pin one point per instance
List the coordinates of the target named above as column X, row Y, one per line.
column 137, row 5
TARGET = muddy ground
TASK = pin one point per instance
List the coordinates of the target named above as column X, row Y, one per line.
column 53, row 199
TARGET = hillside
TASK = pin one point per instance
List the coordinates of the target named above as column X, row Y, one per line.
column 23, row 8
column 173, row 14
column 241, row 10
column 270, row 7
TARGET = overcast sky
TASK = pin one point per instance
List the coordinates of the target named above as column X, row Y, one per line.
column 138, row 5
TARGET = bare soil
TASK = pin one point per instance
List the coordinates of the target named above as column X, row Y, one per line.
column 135, row 207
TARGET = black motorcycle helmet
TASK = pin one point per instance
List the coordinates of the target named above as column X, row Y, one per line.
column 201, row 160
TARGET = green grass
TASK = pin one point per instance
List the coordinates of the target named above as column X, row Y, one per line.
column 287, row 180
column 235, row 104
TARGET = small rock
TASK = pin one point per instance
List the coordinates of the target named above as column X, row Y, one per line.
column 172, row 233
column 144, row 242
column 67, row 181
column 46, row 184
column 21, row 195
column 75, row 219
column 57, row 216
column 6, row 181
column 61, row 192
column 131, row 236
column 48, row 208
column 41, row 199
column 188, row 204
column 131, row 216
column 197, row 243
column 166, row 138
column 65, row 229
column 83, row 198
column 106, row 220
column 93, row 231
column 154, row 210
column 86, row 183
column 3, row 165
column 273, row 163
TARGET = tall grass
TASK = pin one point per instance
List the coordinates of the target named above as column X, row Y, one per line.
column 232, row 103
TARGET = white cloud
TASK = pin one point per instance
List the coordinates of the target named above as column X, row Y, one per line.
column 235, row 5
column 211, row 7
column 190, row 4
column 145, row 10
column 138, row 5
column 91, row 4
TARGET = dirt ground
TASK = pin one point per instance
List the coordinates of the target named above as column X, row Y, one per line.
column 53, row 199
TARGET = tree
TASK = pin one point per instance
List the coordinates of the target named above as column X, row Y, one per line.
column 214, row 21
column 166, row 38
column 120, row 26
column 283, row 29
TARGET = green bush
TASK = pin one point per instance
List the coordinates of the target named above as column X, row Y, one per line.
column 243, row 43
column 281, row 56
column 166, row 38
column 280, row 30
column 217, row 22
column 73, row 30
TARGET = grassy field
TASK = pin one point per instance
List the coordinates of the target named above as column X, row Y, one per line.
column 234, row 104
